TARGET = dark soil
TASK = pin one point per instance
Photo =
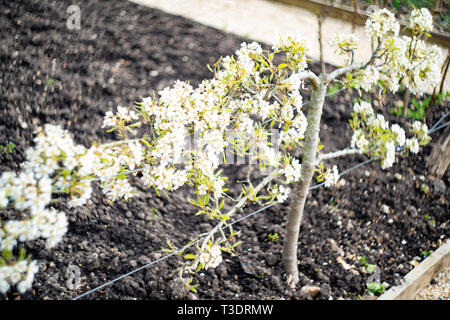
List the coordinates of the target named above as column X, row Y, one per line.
column 50, row 74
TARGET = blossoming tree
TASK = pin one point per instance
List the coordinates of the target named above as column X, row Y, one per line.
column 251, row 104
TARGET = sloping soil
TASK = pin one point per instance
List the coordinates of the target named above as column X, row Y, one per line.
column 50, row 74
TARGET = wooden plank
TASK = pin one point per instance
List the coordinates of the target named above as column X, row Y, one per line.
column 420, row 276
column 345, row 12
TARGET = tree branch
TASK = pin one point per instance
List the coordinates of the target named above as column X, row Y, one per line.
column 338, row 72
column 311, row 76
column 336, row 154
column 241, row 204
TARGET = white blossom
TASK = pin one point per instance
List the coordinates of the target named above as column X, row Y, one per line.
column 331, row 177
column 421, row 20
column 412, row 145
column 293, row 171
column 282, row 193
column 400, row 134
column 389, row 159
column 382, row 23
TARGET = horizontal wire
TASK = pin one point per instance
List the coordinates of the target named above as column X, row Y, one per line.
column 236, row 221
column 190, row 245
column 169, row 255
column 439, row 128
column 439, row 121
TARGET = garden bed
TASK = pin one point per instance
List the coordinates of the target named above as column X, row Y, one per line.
column 50, row 74
column 422, row 275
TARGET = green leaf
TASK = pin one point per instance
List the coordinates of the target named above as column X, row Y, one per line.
column 7, row 254
column 200, row 266
column 145, row 142
column 371, row 268
column 236, row 244
column 22, row 253
column 281, row 66
column 189, row 256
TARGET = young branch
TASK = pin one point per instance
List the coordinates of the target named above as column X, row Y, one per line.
column 336, row 154
column 241, row 204
column 309, row 75
column 116, row 143
column 338, row 72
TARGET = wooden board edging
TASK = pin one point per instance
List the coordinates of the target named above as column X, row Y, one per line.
column 421, row 275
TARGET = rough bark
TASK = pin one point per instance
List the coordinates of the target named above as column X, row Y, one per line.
column 296, row 209
column 439, row 158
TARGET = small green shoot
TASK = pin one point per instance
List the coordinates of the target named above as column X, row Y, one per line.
column 49, row 82
column 273, row 237
column 370, row 268
column 426, row 253
column 376, row 288
column 7, row 149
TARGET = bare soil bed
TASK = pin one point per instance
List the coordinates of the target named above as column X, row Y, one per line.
column 50, row 74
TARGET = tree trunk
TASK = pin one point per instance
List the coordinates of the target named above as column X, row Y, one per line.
column 295, row 215
column 439, row 158
column 406, row 103
column 320, row 19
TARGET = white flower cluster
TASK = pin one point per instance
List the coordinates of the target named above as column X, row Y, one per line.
column 107, row 163
column 296, row 48
column 382, row 23
column 373, row 135
column 344, row 43
column 368, row 78
column 211, row 257
column 399, row 132
column 412, row 144
column 244, row 65
column 363, row 108
column 281, row 192
column 215, row 186
column 164, row 178
column 117, row 188
column 378, row 122
column 331, row 177
column 359, row 140
column 21, row 274
column 46, row 223
column 30, row 192
column 422, row 67
column 421, row 20
column 122, row 115
column 419, row 130
column 293, row 171
column 294, row 82
column 179, row 110
column 296, row 131
column 402, row 57
column 389, row 158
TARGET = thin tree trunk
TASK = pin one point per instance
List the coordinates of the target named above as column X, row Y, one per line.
column 323, row 68
column 406, row 103
column 439, row 158
column 295, row 215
